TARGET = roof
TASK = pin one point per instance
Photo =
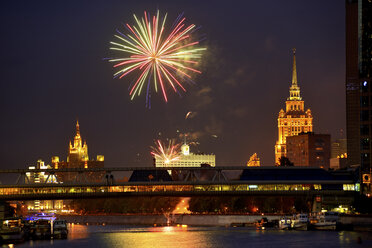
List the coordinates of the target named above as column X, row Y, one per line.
column 294, row 174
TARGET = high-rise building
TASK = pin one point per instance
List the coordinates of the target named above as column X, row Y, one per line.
column 358, row 82
column 79, row 151
column 309, row 149
column 294, row 119
column 77, row 157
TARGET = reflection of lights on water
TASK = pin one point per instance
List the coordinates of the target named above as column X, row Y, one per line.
column 168, row 229
column 76, row 231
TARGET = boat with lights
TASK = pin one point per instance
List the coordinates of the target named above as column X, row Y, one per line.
column 12, row 230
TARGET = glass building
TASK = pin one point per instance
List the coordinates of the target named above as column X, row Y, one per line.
column 358, row 83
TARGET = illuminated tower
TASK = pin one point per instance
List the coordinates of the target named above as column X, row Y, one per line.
column 294, row 119
column 78, row 151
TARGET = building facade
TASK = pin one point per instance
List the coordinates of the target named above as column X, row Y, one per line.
column 40, row 177
column 254, row 161
column 339, row 148
column 188, row 159
column 358, row 83
column 294, row 119
column 309, row 149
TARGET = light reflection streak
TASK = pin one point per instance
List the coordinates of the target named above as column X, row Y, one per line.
column 166, row 236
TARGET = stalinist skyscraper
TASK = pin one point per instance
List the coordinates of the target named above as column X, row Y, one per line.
column 79, row 151
column 294, row 119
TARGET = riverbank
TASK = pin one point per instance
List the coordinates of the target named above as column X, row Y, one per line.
column 363, row 221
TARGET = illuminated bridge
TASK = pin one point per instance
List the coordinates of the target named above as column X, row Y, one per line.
column 210, row 181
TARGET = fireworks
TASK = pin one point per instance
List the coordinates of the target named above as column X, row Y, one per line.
column 188, row 114
column 167, row 154
column 158, row 58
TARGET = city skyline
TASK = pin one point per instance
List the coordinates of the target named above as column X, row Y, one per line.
column 49, row 84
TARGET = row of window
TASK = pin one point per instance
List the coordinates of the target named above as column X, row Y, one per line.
column 295, row 107
column 364, row 129
column 365, row 144
column 364, row 86
column 162, row 188
column 296, row 123
column 364, row 115
column 365, row 160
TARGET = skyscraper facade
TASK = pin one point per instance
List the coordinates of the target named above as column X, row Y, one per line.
column 294, row 119
column 309, row 149
column 358, row 82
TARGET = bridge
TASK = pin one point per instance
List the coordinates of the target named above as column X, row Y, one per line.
column 184, row 181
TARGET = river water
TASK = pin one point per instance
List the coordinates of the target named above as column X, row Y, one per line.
column 182, row 237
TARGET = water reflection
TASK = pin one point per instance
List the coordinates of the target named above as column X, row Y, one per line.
column 77, row 231
column 168, row 229
column 182, row 237
column 168, row 236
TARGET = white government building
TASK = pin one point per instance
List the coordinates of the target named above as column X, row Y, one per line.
column 187, row 159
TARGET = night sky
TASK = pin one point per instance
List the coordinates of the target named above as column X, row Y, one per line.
column 53, row 72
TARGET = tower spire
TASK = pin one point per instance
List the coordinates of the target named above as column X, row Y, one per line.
column 77, row 127
column 294, row 70
column 294, row 90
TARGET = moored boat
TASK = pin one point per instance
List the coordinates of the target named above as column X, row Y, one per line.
column 284, row 223
column 300, row 222
column 264, row 223
column 326, row 221
column 12, row 230
column 60, row 229
column 41, row 229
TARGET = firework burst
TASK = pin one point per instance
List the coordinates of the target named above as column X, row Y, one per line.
column 160, row 59
column 167, row 154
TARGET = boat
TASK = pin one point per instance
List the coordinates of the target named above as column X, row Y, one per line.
column 284, row 223
column 326, row 221
column 42, row 229
column 264, row 223
column 60, row 230
column 300, row 222
column 42, row 216
column 12, row 230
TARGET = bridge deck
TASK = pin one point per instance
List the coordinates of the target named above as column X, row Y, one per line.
column 58, row 191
